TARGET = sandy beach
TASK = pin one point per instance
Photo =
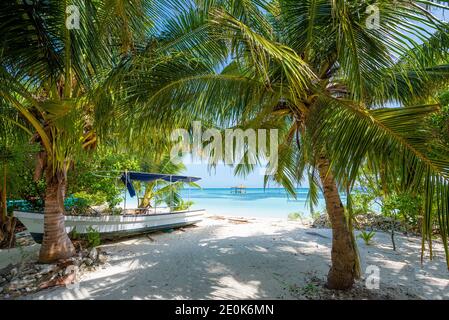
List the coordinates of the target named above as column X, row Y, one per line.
column 261, row 259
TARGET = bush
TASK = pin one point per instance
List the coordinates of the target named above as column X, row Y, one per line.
column 398, row 207
column 295, row 216
column 404, row 207
column 91, row 199
column 94, row 177
column 115, row 211
column 362, row 202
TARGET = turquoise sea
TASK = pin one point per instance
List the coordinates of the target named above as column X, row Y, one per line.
column 256, row 202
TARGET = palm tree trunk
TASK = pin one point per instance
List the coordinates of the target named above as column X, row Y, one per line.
column 56, row 244
column 146, row 200
column 343, row 270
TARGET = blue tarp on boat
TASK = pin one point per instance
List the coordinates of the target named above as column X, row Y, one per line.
column 128, row 177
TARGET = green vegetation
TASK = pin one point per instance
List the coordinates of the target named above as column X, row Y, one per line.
column 183, row 205
column 74, row 235
column 405, row 207
column 367, row 236
column 94, row 180
column 295, row 216
column 93, row 237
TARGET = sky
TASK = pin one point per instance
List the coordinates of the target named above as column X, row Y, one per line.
column 223, row 177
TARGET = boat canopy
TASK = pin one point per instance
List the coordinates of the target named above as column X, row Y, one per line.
column 129, row 176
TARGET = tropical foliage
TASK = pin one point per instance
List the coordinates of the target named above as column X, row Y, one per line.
column 94, row 179
column 55, row 78
column 319, row 72
column 61, row 81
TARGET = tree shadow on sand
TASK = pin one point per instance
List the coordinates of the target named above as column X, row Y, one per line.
column 286, row 264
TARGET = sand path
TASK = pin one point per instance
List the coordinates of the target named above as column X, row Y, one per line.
column 258, row 260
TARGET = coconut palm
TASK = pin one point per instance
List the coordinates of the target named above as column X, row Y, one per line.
column 319, row 71
column 57, row 78
column 69, row 81
column 161, row 190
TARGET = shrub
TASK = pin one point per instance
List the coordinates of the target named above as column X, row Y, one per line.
column 362, row 202
column 116, row 211
column 295, row 216
column 407, row 206
column 91, row 199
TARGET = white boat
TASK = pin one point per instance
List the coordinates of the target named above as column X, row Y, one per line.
column 112, row 226
column 142, row 220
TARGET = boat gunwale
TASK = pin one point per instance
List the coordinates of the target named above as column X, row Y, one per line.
column 36, row 215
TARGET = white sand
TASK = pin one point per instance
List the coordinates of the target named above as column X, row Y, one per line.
column 18, row 254
column 263, row 259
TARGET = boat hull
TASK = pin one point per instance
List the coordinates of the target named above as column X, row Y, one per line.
column 112, row 226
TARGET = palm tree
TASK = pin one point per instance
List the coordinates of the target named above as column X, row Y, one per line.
column 319, row 72
column 76, row 87
column 161, row 190
column 55, row 76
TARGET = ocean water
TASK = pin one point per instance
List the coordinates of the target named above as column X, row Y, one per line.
column 256, row 202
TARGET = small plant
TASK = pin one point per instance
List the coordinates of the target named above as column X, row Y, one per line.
column 93, row 237
column 73, row 234
column 309, row 289
column 366, row 236
column 295, row 216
